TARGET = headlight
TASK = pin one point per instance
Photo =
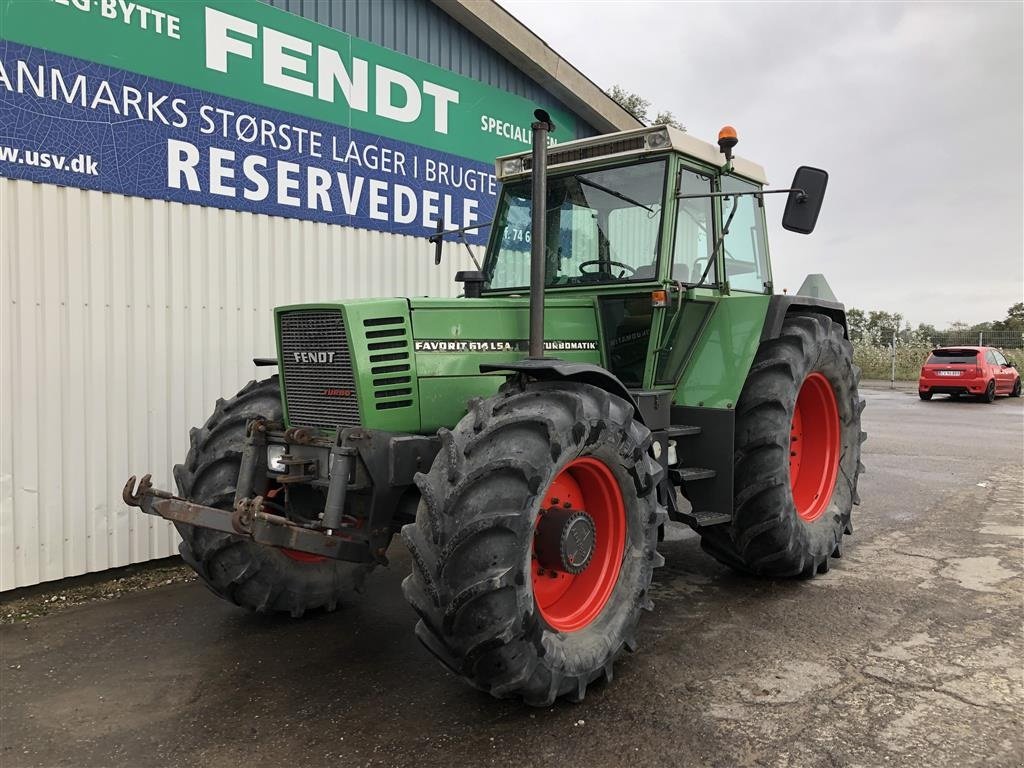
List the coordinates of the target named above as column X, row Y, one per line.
column 657, row 139
column 512, row 165
column 274, row 455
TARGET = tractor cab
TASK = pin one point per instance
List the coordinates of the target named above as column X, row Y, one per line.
column 614, row 220
column 655, row 227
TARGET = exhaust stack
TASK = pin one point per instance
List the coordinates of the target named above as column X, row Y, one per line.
column 538, row 229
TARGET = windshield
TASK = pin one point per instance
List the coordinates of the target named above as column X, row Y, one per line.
column 603, row 227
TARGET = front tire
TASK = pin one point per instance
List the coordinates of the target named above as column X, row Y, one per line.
column 496, row 605
column 797, row 454
column 1015, row 392
column 261, row 578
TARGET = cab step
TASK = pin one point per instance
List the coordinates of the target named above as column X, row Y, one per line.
column 690, row 474
column 705, row 518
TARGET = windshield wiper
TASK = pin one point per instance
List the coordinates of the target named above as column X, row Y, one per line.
column 613, row 193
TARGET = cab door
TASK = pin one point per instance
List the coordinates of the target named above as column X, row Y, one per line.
column 694, row 278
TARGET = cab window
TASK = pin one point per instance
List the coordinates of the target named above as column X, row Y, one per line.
column 745, row 252
column 693, row 236
column 603, row 226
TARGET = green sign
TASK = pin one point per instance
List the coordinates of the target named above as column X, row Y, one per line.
column 252, row 52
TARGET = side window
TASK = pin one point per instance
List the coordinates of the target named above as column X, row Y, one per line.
column 746, row 257
column 1000, row 360
column 514, row 269
column 991, row 357
column 694, row 232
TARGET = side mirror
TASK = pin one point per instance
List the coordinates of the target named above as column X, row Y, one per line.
column 438, row 240
column 804, row 202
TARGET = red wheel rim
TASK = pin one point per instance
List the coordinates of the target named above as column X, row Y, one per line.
column 303, row 557
column 294, row 554
column 571, row 602
column 814, row 447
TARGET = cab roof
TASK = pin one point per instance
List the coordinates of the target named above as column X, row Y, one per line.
column 637, row 142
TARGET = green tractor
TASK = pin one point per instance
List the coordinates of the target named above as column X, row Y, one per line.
column 619, row 360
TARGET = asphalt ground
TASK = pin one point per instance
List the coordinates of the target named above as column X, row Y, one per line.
column 908, row 652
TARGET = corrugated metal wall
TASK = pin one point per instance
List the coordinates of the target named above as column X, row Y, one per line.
column 420, row 29
column 122, row 321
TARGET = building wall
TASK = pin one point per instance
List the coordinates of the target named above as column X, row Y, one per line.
column 123, row 320
column 420, row 29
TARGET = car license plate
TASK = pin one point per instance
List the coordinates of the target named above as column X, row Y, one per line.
column 949, row 373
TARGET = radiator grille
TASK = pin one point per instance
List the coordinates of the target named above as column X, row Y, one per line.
column 319, row 383
column 387, row 341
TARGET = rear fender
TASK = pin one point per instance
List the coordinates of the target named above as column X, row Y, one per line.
column 780, row 306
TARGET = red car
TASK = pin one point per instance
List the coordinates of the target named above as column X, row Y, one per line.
column 979, row 371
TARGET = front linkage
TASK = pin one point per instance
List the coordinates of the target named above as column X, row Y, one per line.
column 367, row 472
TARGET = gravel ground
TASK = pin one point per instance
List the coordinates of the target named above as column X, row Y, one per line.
column 908, row 652
column 46, row 599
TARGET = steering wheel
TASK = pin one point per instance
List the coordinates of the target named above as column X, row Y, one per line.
column 600, row 263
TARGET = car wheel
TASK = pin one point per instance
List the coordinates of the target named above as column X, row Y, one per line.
column 990, row 392
column 1015, row 392
column 925, row 395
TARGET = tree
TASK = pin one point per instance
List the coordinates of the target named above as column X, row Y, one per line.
column 667, row 118
column 1014, row 321
column 638, row 107
column 856, row 322
column 1015, row 314
column 633, row 103
column 926, row 333
column 881, row 326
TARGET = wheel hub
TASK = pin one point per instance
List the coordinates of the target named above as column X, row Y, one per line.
column 578, row 546
column 565, row 540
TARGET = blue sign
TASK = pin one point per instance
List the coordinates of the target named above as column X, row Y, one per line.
column 76, row 123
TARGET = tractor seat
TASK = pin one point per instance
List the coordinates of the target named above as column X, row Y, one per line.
column 646, row 272
column 680, row 272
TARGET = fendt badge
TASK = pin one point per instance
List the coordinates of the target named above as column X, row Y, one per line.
column 313, row 357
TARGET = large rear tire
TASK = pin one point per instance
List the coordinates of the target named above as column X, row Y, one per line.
column 260, row 578
column 797, row 454
column 518, row 467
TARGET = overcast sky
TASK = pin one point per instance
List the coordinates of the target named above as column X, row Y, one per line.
column 916, row 110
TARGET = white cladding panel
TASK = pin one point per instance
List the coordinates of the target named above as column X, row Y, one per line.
column 123, row 319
